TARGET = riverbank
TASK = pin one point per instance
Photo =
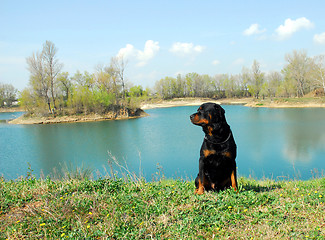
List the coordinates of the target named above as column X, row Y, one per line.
column 165, row 209
column 123, row 114
column 305, row 102
column 178, row 102
column 248, row 102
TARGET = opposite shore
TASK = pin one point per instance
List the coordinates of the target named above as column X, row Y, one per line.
column 249, row 102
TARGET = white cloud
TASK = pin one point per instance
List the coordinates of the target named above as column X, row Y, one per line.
column 128, row 52
column 291, row 26
column 186, row 48
column 320, row 38
column 215, row 62
column 253, row 29
column 150, row 50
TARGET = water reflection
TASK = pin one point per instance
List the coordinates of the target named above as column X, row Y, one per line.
column 305, row 134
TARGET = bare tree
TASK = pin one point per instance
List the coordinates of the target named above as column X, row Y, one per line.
column 298, row 69
column 7, row 94
column 52, row 66
column 319, row 71
column 119, row 64
column 38, row 80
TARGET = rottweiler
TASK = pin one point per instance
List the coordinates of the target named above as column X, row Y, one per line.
column 217, row 165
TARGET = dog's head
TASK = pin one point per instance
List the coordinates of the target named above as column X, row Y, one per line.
column 208, row 114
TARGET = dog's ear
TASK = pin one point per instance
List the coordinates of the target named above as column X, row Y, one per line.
column 221, row 111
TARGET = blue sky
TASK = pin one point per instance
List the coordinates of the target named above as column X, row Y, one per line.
column 159, row 38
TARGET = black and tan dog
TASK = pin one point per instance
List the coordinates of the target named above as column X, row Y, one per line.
column 217, row 166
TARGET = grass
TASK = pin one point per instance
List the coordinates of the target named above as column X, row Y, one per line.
column 165, row 209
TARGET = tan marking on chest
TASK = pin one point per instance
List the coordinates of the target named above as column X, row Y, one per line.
column 227, row 154
column 207, row 153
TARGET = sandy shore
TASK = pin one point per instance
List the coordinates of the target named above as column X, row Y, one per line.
column 248, row 102
column 193, row 102
column 297, row 103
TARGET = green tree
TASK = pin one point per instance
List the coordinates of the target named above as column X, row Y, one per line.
column 256, row 80
column 65, row 84
column 26, row 100
column 274, row 83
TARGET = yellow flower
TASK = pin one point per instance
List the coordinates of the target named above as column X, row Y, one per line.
column 316, row 192
column 297, row 189
column 18, row 221
column 64, row 227
column 42, row 224
column 245, row 210
column 61, row 198
column 229, row 207
column 218, row 229
column 62, row 234
column 90, row 213
column 88, row 226
column 281, row 195
column 320, row 195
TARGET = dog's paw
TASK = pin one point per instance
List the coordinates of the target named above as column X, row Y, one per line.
column 199, row 191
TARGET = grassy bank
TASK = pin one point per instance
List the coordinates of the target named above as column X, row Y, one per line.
column 165, row 209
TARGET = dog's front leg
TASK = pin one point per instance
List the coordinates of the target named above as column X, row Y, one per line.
column 200, row 179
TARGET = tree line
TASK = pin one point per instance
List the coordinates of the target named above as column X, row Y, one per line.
column 300, row 75
column 52, row 91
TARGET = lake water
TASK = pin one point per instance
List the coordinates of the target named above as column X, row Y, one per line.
column 272, row 143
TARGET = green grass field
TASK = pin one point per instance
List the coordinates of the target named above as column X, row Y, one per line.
column 166, row 209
